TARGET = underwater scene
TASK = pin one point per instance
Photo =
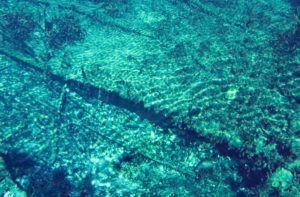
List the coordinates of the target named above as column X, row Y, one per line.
column 149, row 98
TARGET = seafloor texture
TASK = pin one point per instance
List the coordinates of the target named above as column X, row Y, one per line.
column 150, row 98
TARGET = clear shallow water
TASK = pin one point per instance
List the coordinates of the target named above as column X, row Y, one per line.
column 149, row 98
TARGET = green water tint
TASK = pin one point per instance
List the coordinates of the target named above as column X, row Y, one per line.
column 216, row 84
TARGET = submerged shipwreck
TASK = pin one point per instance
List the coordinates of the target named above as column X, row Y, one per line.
column 149, row 98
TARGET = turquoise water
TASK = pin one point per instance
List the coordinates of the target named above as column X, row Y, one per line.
column 149, row 98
